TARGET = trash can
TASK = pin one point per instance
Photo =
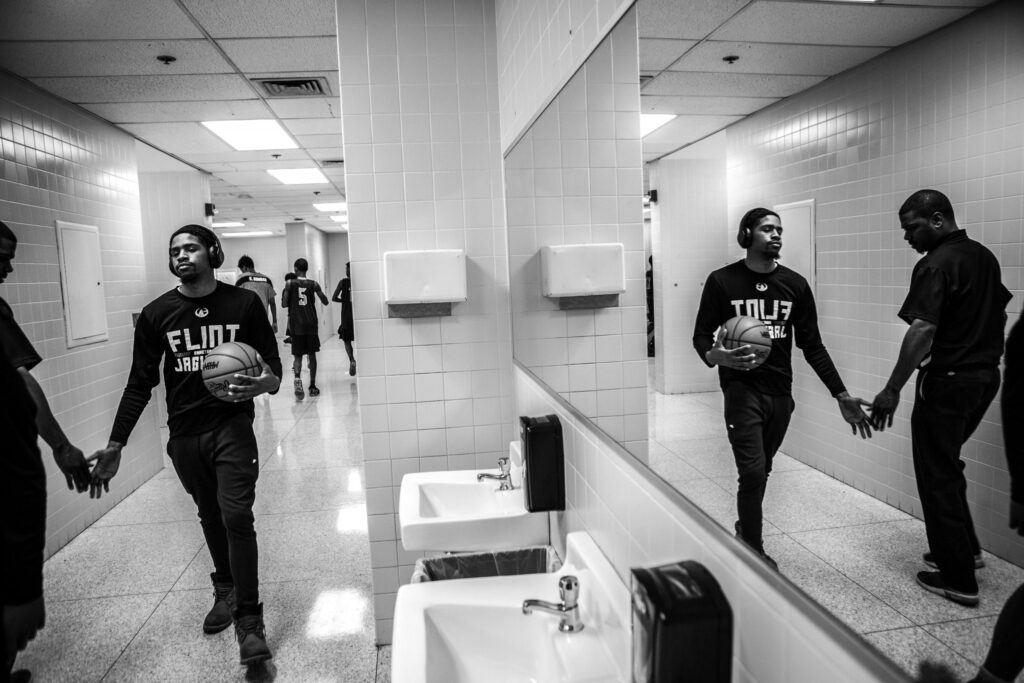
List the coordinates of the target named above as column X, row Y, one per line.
column 541, row 559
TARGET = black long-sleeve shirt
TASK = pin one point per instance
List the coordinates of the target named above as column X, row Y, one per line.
column 1012, row 405
column 181, row 331
column 782, row 299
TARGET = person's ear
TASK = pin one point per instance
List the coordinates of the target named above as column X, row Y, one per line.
column 938, row 219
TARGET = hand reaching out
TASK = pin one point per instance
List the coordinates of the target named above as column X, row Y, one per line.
column 73, row 466
column 852, row 410
column 107, row 461
column 883, row 408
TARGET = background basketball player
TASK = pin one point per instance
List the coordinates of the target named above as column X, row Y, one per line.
column 303, row 324
column 758, row 399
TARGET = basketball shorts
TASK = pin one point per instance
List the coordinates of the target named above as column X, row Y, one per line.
column 303, row 344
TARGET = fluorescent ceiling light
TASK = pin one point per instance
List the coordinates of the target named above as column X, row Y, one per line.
column 253, row 134
column 228, row 224
column 299, row 176
column 339, row 219
column 652, row 122
column 331, row 206
column 248, row 233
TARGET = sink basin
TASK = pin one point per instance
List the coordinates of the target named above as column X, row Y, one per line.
column 469, row 630
column 453, row 511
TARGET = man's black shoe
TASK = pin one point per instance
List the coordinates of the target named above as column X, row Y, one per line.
column 252, row 637
column 933, row 583
column 219, row 616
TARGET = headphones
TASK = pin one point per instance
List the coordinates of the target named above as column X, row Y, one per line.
column 208, row 237
column 743, row 237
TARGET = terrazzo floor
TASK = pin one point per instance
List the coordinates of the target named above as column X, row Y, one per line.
column 126, row 598
column 855, row 555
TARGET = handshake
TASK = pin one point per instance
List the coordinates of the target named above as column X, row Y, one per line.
column 92, row 474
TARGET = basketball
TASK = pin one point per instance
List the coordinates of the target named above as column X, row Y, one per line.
column 226, row 360
column 743, row 329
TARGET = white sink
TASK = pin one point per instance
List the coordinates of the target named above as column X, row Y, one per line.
column 453, row 511
column 470, row 630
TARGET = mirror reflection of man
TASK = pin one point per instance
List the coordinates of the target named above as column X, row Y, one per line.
column 956, row 313
column 758, row 398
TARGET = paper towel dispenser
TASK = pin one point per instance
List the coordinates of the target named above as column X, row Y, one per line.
column 428, row 276
column 574, row 270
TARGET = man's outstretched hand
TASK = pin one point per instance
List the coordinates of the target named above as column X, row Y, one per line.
column 73, row 466
column 852, row 410
column 883, row 408
column 106, row 460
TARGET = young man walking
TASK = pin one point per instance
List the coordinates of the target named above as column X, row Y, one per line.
column 758, row 399
column 212, row 444
column 303, row 324
column 259, row 283
column 956, row 312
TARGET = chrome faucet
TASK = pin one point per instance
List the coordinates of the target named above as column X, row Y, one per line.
column 568, row 608
column 505, row 477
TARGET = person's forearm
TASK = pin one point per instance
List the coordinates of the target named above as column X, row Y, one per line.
column 46, row 423
column 917, row 342
column 273, row 311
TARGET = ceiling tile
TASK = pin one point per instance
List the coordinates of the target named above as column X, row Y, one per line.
column 263, row 18
column 229, row 155
column 327, row 140
column 177, row 138
column 283, row 54
column 147, row 88
column 836, row 23
column 156, row 112
column 111, row 58
column 313, row 126
column 95, row 20
column 731, row 85
column 693, row 19
column 658, row 53
column 691, row 104
column 306, row 108
column 773, row 58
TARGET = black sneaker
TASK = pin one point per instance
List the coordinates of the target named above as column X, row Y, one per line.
column 313, row 390
column 929, row 559
column 739, row 530
column 933, row 583
column 220, row 615
column 21, row 676
column 769, row 561
column 299, row 393
column 252, row 636
column 352, row 369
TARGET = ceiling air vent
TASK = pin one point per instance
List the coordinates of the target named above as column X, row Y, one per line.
column 293, row 87
column 332, row 163
column 645, row 79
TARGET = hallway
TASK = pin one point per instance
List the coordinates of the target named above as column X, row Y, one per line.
column 853, row 554
column 126, row 598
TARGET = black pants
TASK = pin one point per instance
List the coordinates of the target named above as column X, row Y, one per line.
column 1005, row 658
column 948, row 406
column 757, row 424
column 219, row 470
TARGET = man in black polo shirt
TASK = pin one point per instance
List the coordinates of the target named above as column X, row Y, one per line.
column 956, row 311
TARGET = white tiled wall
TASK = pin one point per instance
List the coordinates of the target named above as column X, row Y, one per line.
column 59, row 163
column 925, row 115
column 419, row 92
column 540, row 45
column 575, row 178
column 636, row 524
column 686, row 234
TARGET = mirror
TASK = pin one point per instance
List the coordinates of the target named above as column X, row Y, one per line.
column 841, row 514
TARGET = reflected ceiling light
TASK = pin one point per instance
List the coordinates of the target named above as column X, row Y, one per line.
column 355, row 483
column 252, row 134
column 228, row 224
column 331, row 206
column 336, row 614
column 351, row 519
column 652, row 122
column 299, row 176
column 339, row 219
column 247, row 233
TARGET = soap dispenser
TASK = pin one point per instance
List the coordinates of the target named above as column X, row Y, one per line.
column 543, row 463
column 682, row 625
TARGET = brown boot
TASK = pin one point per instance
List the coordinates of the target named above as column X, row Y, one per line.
column 252, row 636
column 219, row 616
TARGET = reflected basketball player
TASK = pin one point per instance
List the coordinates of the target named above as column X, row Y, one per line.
column 212, row 444
column 758, row 398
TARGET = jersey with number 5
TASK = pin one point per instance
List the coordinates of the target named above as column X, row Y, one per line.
column 302, row 318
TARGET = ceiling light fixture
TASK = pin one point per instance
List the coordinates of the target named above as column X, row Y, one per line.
column 299, row 176
column 331, row 206
column 652, row 122
column 228, row 224
column 730, row 59
column 247, row 233
column 252, row 134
